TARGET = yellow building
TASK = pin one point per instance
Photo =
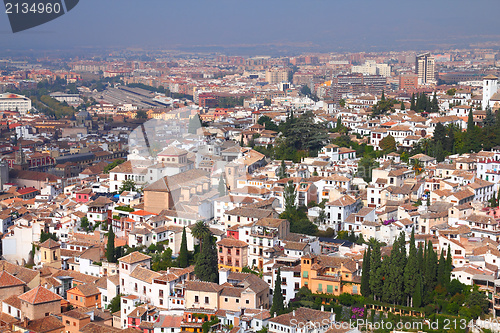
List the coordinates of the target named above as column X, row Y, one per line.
column 51, row 253
column 330, row 275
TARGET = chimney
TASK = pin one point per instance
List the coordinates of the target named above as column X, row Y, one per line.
column 293, row 313
column 322, row 308
column 25, row 322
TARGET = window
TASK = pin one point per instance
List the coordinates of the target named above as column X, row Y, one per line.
column 305, row 274
column 329, row 289
column 196, row 299
column 354, row 289
column 247, row 301
column 320, row 287
column 207, row 300
column 225, row 299
column 237, row 300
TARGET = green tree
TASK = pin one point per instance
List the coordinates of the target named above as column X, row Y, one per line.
column 417, row 295
column 470, row 121
column 441, row 269
column 365, row 277
column 183, row 258
column 84, row 223
column 289, row 196
column 395, row 280
column 434, row 103
column 222, row 186
column 489, row 119
column 206, row 268
column 141, row 114
column 365, row 167
column 411, row 270
column 112, row 165
column 278, row 305
column 382, row 98
column 402, row 106
column 477, row 298
column 110, row 247
column 127, row 185
column 194, row 124
column 267, row 102
column 199, row 231
column 388, row 144
column 376, row 281
column 115, row 304
column 306, row 134
column 412, row 102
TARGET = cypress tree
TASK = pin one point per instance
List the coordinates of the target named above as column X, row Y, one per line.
column 110, row 247
column 385, row 272
column 182, row 259
column 194, row 124
column 470, row 122
column 434, row 104
column 441, row 270
column 365, row 277
column 417, row 295
column 289, row 196
column 395, row 281
column 206, row 268
column 376, row 274
column 449, row 267
column 382, row 98
column 430, row 269
column 222, row 186
column 412, row 102
column 277, row 306
column 402, row 106
column 411, row 270
column 282, row 171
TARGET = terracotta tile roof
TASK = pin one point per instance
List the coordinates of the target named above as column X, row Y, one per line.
column 231, row 242
column 298, row 246
column 45, row 324
column 203, row 286
column 144, row 274
column 9, row 280
column 39, row 295
column 86, row 289
column 25, row 274
column 13, row 301
column 76, row 314
column 301, row 316
column 171, row 321
column 134, row 257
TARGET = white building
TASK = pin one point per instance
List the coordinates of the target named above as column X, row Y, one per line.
column 14, row 102
column 490, row 89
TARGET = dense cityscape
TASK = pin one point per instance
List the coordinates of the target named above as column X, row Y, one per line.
column 170, row 191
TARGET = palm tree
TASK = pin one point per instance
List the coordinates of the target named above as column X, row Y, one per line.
column 199, row 231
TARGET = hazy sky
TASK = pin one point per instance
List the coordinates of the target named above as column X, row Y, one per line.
column 325, row 24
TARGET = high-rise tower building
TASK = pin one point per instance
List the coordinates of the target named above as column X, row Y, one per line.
column 424, row 68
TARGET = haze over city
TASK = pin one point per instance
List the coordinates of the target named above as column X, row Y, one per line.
column 276, row 26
